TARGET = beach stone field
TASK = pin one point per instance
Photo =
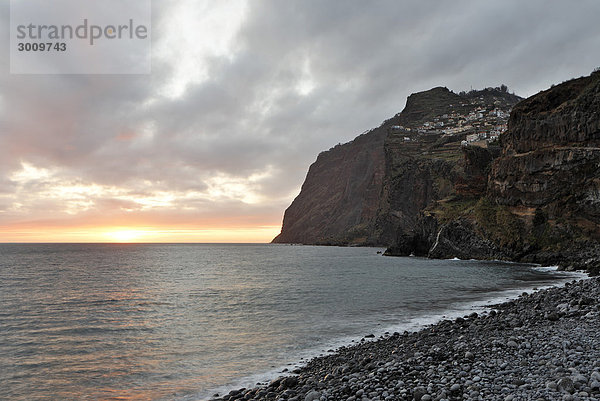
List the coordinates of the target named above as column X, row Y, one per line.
column 542, row 346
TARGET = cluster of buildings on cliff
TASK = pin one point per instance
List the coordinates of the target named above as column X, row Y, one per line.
column 481, row 125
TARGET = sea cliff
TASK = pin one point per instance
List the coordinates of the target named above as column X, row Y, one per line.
column 483, row 175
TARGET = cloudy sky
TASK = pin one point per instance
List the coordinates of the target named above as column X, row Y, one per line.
column 243, row 95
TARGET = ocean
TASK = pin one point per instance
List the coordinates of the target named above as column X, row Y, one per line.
column 184, row 321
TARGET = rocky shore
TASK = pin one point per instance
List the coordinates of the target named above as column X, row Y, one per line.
column 541, row 346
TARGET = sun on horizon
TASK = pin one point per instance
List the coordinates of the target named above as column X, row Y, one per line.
column 136, row 234
column 126, row 235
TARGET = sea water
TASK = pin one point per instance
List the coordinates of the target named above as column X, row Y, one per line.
column 182, row 321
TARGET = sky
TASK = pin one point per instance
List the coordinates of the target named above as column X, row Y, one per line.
column 214, row 144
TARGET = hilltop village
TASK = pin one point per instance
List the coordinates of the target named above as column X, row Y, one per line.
column 479, row 117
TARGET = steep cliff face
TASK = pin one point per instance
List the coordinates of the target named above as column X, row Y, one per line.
column 412, row 182
column 430, row 182
column 542, row 200
column 367, row 191
column 551, row 155
column 443, row 227
column 340, row 196
column 423, row 106
column 435, row 169
column 550, row 172
column 564, row 115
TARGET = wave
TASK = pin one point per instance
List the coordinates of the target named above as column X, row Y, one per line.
column 411, row 324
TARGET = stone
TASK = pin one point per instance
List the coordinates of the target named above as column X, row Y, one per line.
column 312, row 396
column 289, row 381
column 418, row 393
column 565, row 384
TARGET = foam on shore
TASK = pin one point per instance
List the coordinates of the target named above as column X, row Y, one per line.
column 413, row 324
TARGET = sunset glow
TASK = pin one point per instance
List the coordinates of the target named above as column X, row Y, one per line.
column 127, row 235
column 260, row 234
column 51, row 205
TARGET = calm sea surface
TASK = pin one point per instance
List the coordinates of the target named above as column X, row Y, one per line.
column 179, row 322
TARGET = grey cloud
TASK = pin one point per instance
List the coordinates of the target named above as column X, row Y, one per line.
column 364, row 58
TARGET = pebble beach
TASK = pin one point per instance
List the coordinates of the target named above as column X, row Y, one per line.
column 543, row 345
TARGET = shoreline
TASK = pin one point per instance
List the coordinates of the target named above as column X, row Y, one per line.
column 278, row 389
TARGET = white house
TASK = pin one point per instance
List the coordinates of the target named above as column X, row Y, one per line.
column 472, row 137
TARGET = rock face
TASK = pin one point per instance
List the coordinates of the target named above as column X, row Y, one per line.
column 424, row 190
column 367, row 191
column 565, row 115
column 340, row 196
column 543, row 189
column 551, row 154
column 459, row 238
column 411, row 184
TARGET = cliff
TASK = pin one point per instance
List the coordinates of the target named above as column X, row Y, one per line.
column 549, row 172
column 466, row 175
column 551, row 152
column 340, row 196
column 542, row 199
column 356, row 193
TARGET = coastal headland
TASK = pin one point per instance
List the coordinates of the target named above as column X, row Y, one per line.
column 473, row 175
